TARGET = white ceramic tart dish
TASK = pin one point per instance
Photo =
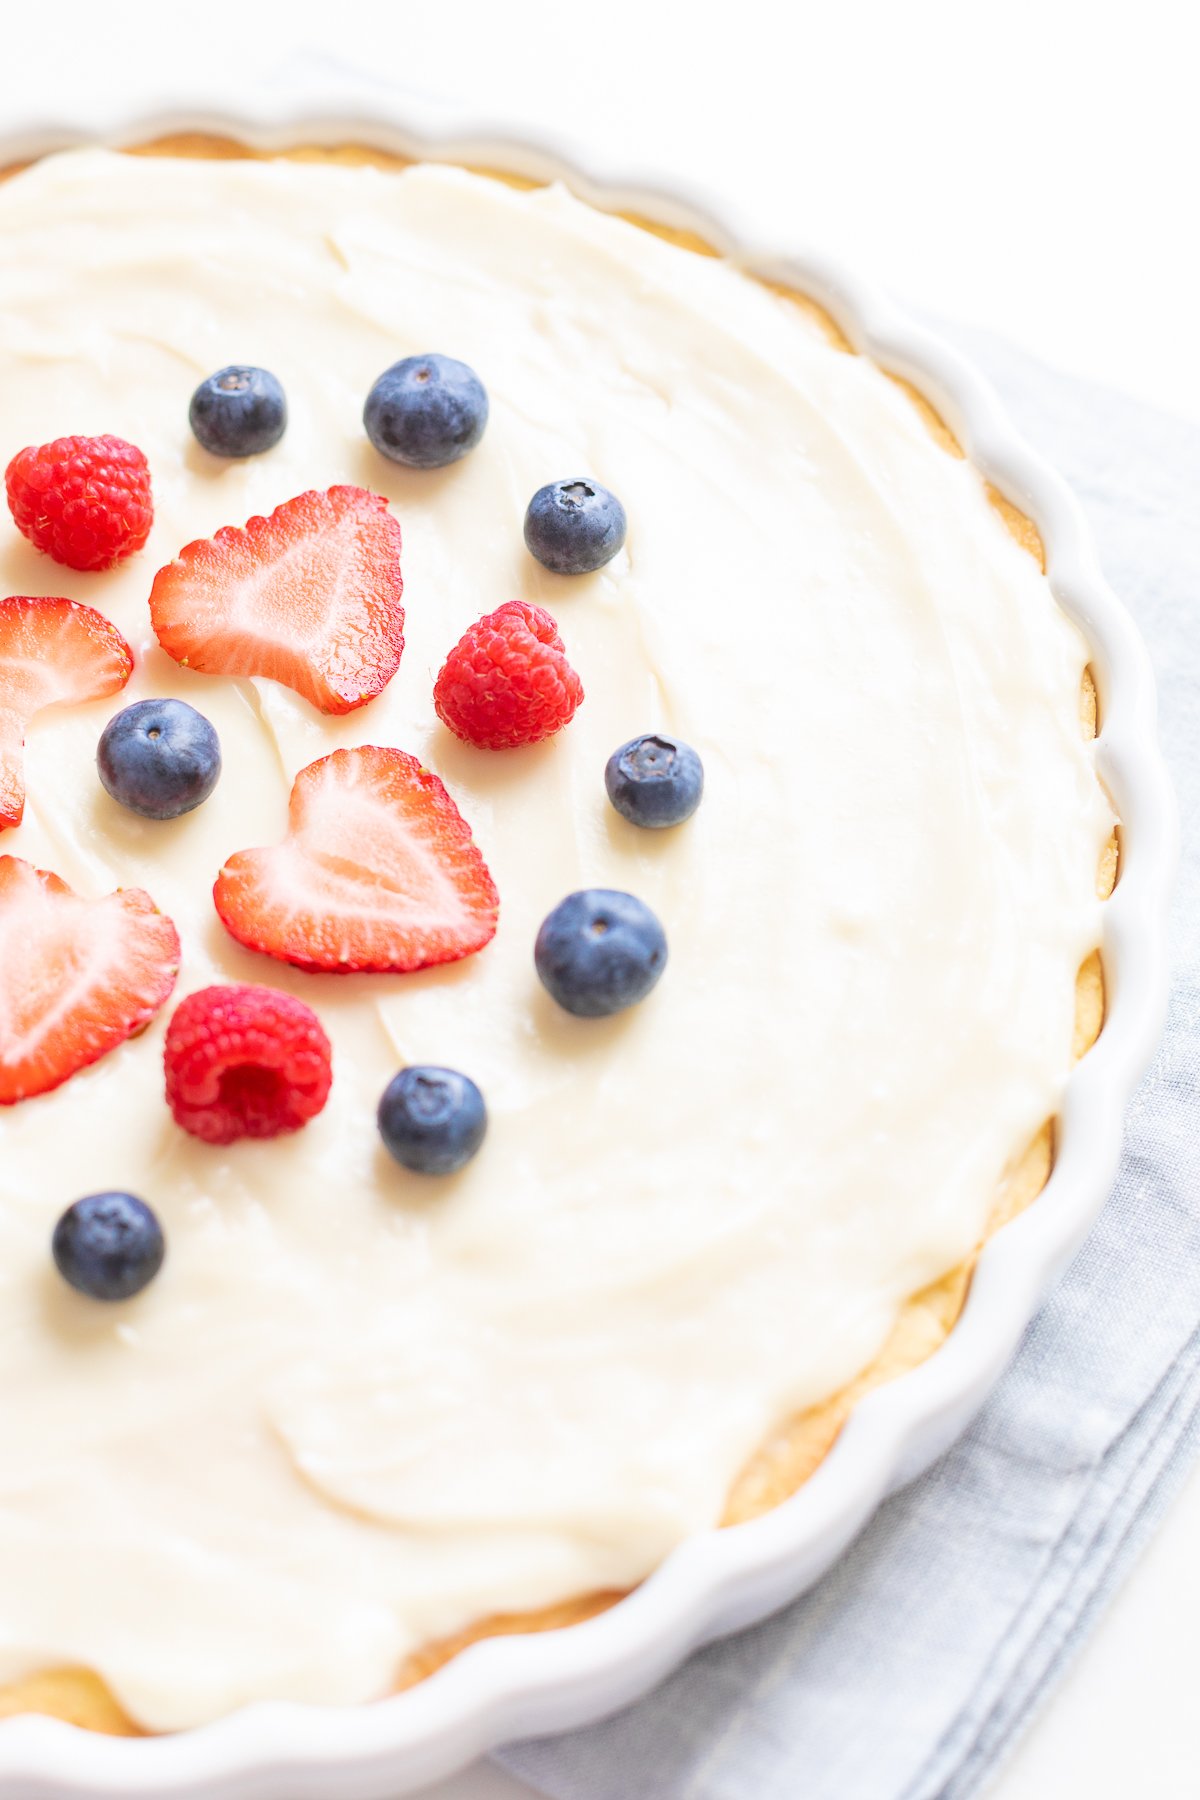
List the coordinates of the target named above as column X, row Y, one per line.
column 505, row 1319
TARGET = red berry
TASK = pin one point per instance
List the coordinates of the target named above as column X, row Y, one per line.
column 245, row 1061
column 378, row 871
column 84, row 501
column 52, row 653
column 507, row 681
column 77, row 977
column 310, row 596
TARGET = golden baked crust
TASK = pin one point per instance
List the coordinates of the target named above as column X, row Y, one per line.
column 791, row 1454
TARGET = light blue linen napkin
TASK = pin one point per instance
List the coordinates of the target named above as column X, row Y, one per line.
column 910, row 1669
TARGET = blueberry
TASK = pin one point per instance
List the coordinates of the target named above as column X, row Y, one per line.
column 654, row 780
column 109, row 1246
column 600, row 951
column 432, row 1120
column 574, row 526
column 426, row 411
column 239, row 411
column 159, row 758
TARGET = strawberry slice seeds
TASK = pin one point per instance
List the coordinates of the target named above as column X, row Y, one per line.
column 378, row 871
column 53, row 652
column 77, row 977
column 310, row 597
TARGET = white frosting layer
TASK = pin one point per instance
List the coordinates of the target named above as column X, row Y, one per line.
column 359, row 1409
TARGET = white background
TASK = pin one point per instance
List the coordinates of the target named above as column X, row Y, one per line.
column 1032, row 168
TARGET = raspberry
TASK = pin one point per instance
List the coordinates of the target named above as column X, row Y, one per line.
column 245, row 1061
column 85, row 501
column 507, row 681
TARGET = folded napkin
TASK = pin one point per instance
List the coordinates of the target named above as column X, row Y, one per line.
column 909, row 1670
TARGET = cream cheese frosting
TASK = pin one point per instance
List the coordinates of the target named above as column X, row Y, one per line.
column 360, row 1409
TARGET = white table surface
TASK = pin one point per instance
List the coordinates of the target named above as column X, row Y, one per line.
column 1030, row 168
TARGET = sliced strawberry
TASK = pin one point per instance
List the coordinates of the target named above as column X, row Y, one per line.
column 309, row 597
column 52, row 653
column 378, row 871
column 77, row 977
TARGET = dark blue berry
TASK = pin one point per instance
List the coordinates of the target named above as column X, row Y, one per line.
column 426, row 411
column 239, row 411
column 574, row 526
column 600, row 951
column 159, row 758
column 432, row 1120
column 654, row 780
column 109, row 1246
